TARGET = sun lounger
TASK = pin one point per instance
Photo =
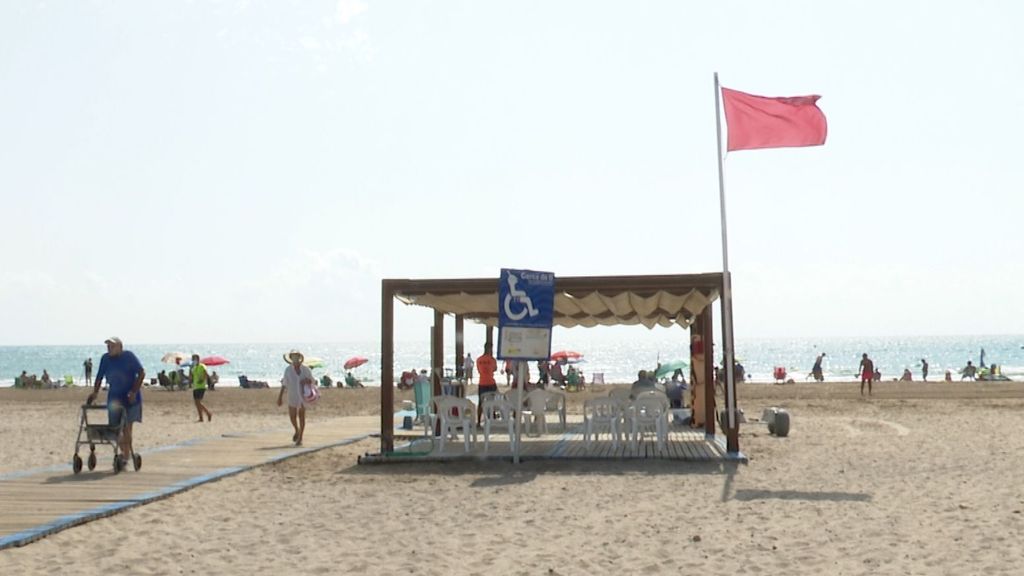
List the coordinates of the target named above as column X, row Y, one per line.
column 244, row 382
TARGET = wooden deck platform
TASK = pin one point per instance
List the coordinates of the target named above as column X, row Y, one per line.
column 38, row 503
column 684, row 444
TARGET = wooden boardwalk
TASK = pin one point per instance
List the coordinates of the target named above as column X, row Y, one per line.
column 41, row 502
column 53, row 499
column 684, row 445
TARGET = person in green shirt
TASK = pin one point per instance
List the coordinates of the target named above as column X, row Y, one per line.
column 199, row 382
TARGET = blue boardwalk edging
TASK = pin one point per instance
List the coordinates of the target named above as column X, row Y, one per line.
column 64, row 522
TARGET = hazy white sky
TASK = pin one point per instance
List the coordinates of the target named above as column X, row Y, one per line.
column 249, row 171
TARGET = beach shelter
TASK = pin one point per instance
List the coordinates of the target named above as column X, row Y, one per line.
column 682, row 300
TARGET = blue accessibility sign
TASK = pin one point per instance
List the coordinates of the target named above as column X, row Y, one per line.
column 526, row 311
column 526, row 298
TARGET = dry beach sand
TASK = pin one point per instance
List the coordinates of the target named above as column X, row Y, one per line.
column 919, row 479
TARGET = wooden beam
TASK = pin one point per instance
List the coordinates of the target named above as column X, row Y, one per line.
column 572, row 285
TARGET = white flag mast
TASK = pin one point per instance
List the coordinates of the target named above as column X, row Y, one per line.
column 727, row 339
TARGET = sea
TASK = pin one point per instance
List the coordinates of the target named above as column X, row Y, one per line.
column 617, row 360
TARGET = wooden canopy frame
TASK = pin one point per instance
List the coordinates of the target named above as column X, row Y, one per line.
column 683, row 300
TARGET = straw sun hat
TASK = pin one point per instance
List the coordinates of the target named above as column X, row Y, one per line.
column 288, row 357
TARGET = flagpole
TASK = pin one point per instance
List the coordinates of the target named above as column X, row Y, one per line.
column 727, row 339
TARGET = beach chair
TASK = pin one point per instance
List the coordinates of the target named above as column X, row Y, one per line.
column 779, row 373
column 556, row 403
column 535, row 409
column 421, row 392
column 602, row 414
column 597, row 378
column 649, row 413
column 454, row 413
column 498, row 412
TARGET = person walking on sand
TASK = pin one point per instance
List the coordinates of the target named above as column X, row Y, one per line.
column 124, row 375
column 467, row 368
column 296, row 375
column 867, row 372
column 87, row 365
column 924, row 370
column 816, row 370
column 200, row 379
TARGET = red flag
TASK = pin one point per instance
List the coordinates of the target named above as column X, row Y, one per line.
column 762, row 122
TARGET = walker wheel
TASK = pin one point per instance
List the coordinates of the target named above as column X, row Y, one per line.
column 92, row 461
column 136, row 461
column 76, row 464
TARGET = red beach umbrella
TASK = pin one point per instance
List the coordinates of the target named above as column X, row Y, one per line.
column 215, row 360
column 354, row 362
column 566, row 356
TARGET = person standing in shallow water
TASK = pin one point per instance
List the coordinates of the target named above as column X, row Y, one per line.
column 924, row 370
column 87, row 365
column 867, row 372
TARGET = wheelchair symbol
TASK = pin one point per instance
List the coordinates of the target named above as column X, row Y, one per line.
column 519, row 297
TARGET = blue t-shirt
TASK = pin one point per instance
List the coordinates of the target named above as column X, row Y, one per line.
column 121, row 371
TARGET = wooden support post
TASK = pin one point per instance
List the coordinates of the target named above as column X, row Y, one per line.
column 387, row 368
column 437, row 352
column 709, row 370
column 460, row 350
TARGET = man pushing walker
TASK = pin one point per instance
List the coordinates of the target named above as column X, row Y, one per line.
column 124, row 375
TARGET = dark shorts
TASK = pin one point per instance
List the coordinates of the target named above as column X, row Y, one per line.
column 487, row 389
column 198, row 393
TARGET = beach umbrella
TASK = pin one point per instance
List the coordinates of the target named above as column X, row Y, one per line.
column 355, row 362
column 215, row 360
column 175, row 357
column 310, row 362
column 569, row 356
column 668, row 368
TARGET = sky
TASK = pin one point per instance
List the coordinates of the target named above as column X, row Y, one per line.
column 242, row 171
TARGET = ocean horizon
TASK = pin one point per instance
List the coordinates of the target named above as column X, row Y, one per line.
column 618, row 361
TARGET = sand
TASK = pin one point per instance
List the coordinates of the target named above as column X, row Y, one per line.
column 919, row 479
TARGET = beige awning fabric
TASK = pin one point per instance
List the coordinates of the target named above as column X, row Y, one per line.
column 579, row 301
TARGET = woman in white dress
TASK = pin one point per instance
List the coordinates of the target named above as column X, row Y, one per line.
column 296, row 375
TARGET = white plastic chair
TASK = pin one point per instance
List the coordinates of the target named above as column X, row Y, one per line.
column 602, row 414
column 556, row 403
column 649, row 413
column 498, row 412
column 534, row 411
column 454, row 413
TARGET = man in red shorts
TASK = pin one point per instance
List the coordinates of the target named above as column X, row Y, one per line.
column 867, row 373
